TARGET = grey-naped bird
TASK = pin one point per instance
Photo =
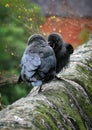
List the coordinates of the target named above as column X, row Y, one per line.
column 62, row 50
column 38, row 63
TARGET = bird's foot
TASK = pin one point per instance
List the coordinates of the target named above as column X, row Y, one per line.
column 58, row 78
column 40, row 89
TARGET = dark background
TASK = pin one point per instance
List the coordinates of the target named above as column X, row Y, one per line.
column 79, row 8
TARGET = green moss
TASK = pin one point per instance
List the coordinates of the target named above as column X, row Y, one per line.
column 84, row 36
column 82, row 102
column 37, row 122
column 86, row 107
column 86, row 80
column 62, row 101
column 43, row 121
column 50, row 116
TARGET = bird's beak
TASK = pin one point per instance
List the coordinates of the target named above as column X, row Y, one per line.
column 51, row 44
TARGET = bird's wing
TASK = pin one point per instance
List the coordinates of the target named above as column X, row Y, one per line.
column 48, row 62
column 29, row 64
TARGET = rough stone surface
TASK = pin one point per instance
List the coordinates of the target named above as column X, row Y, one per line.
column 64, row 104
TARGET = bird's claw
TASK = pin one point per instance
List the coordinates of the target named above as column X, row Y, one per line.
column 40, row 90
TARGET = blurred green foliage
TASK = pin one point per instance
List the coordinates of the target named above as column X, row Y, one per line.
column 84, row 36
column 11, row 93
column 18, row 20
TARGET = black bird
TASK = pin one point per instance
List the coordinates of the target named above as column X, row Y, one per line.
column 38, row 63
column 62, row 50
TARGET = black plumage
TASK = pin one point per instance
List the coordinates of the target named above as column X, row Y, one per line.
column 38, row 62
column 62, row 50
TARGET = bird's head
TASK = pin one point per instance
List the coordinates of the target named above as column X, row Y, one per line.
column 35, row 37
column 55, row 40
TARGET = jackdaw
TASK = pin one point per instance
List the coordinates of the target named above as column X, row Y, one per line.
column 62, row 50
column 38, row 63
